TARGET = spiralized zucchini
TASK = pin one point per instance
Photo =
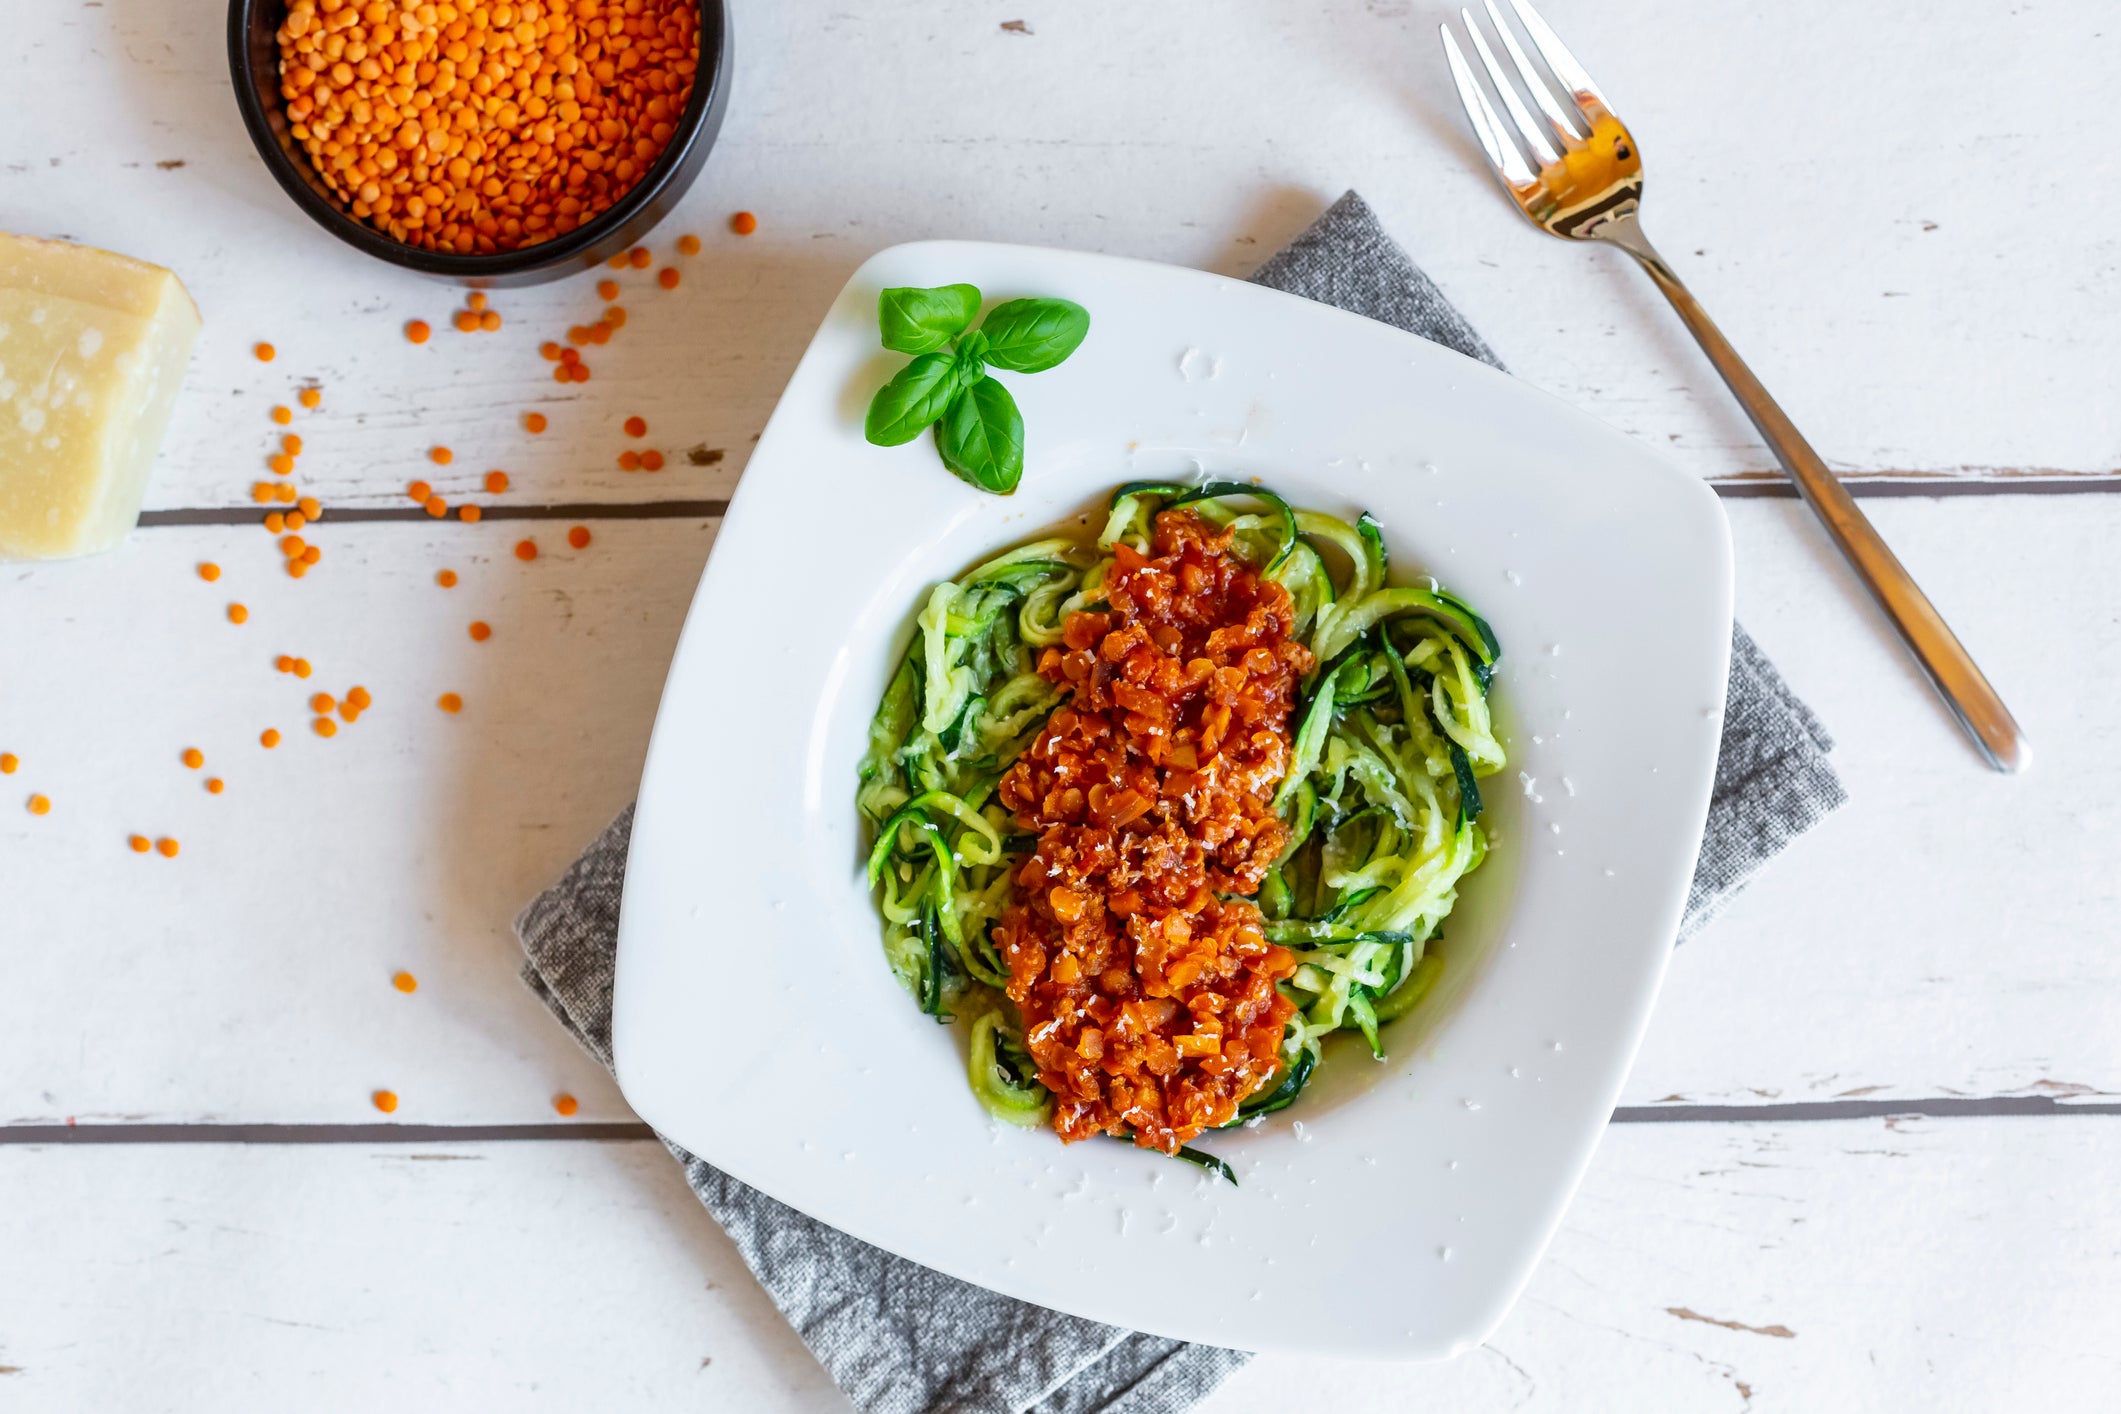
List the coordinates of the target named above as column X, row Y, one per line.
column 1382, row 799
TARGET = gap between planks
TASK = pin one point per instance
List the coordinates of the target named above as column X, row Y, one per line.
column 1943, row 1107
column 1749, row 488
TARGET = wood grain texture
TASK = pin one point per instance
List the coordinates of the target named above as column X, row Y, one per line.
column 1754, row 1268
column 1946, row 935
column 1959, row 277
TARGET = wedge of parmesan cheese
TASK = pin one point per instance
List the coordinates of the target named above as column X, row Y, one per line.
column 92, row 352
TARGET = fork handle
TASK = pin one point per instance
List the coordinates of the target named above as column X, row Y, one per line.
column 1951, row 670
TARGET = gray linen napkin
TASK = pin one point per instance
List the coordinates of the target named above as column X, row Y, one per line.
column 901, row 1339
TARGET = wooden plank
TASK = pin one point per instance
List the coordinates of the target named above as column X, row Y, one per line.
column 1733, row 1266
column 409, row 840
column 1949, row 934
column 1939, row 935
column 1894, row 249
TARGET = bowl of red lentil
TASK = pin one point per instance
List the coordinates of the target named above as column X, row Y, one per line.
column 489, row 142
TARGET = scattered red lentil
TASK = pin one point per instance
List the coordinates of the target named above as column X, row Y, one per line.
column 600, row 333
column 450, row 702
column 283, row 415
column 311, row 508
column 40, row 805
column 281, row 464
column 291, row 444
column 477, row 300
column 629, row 461
column 8, row 762
column 269, row 738
column 440, row 456
column 607, row 290
column 295, row 520
column 480, row 631
column 469, row 514
column 214, row 785
column 420, row 491
column 297, row 568
column 526, row 549
column 490, row 321
column 312, row 555
column 141, row 844
column 617, row 262
column 668, row 277
column 359, row 697
column 417, row 331
column 276, row 522
column 325, row 726
column 561, row 373
column 385, row 1100
column 652, row 461
column 565, row 1105
column 497, row 481
column 549, row 351
column 688, row 245
column 615, row 317
column 636, row 427
column 284, row 663
column 194, row 758
column 261, row 491
column 639, row 258
column 292, row 546
column 405, row 982
column 447, row 579
column 321, row 702
column 579, row 537
column 310, row 397
column 266, row 353
column 535, row 422
column 467, row 322
column 209, row 571
column 166, row 847
column 284, row 492
column 301, row 668
column 743, row 223
column 437, row 507
column 578, row 373
column 570, row 357
column 238, row 614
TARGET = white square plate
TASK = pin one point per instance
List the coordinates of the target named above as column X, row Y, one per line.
column 1397, row 1209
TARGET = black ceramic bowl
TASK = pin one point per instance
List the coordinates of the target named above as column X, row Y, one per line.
column 254, row 64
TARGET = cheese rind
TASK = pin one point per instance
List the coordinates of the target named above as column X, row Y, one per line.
column 93, row 348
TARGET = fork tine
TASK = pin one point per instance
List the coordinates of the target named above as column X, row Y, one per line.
column 1542, row 93
column 1500, row 146
column 1557, row 54
column 1535, row 136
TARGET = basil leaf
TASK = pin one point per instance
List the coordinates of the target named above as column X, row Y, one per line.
column 903, row 408
column 918, row 321
column 982, row 437
column 1031, row 335
column 970, row 352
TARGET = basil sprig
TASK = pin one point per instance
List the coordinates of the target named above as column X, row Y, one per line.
column 978, row 430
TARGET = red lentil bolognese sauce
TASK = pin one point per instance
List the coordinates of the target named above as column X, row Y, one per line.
column 1146, row 983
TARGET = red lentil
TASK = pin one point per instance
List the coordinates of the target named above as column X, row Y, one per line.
column 1145, row 980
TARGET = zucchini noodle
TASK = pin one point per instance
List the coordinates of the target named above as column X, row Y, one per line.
column 1382, row 800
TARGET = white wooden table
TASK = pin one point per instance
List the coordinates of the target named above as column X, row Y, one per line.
column 1867, row 1157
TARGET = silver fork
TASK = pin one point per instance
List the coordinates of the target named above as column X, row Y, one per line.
column 1579, row 176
